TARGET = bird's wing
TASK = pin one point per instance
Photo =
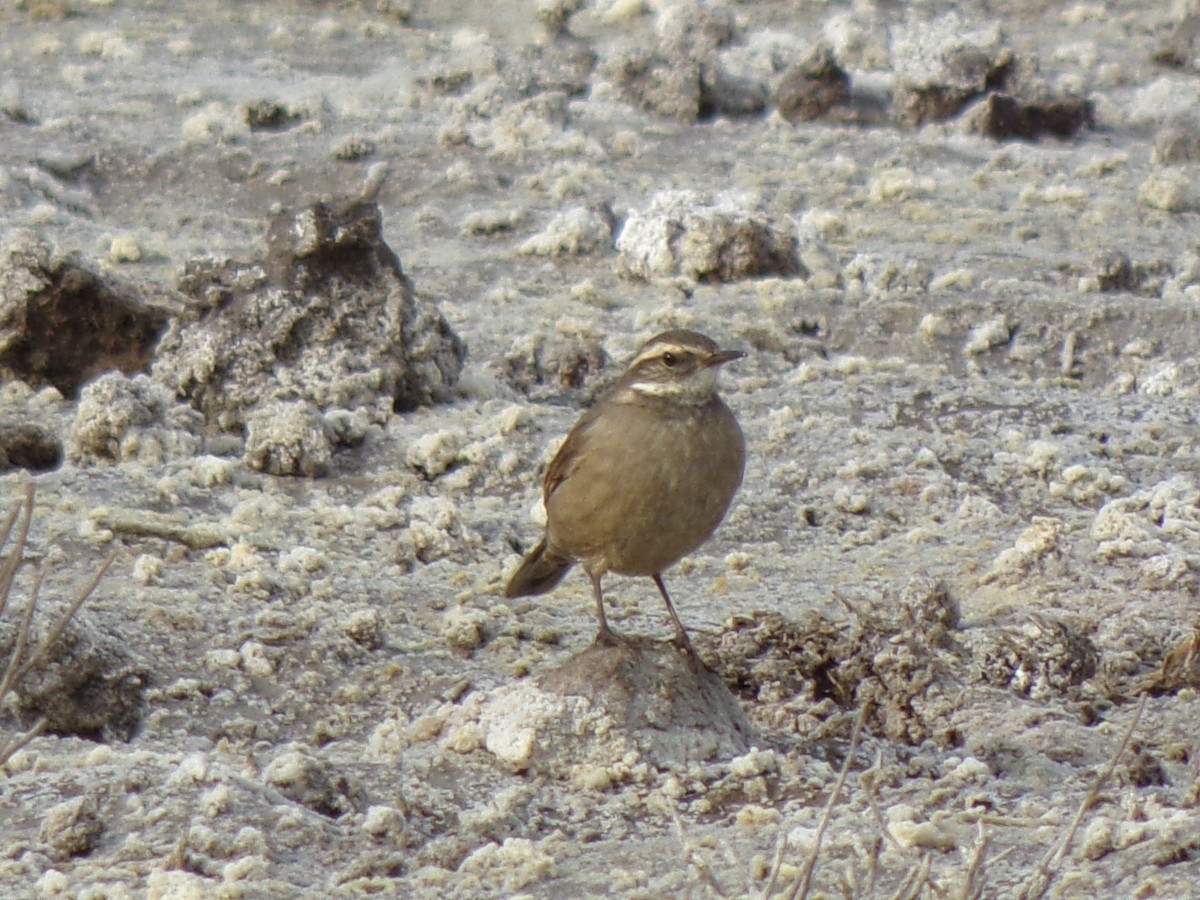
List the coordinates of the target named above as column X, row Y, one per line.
column 566, row 457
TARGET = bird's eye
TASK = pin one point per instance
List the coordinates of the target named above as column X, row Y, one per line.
column 669, row 359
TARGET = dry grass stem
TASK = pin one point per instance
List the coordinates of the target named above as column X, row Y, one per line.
column 776, row 865
column 976, row 878
column 21, row 660
column 66, row 617
column 1043, row 876
column 803, row 883
column 15, row 670
column 10, row 746
column 916, row 880
column 9, row 571
column 695, row 860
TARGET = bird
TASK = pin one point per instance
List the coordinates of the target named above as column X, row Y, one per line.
column 643, row 478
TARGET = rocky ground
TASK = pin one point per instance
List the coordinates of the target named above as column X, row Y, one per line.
column 297, row 298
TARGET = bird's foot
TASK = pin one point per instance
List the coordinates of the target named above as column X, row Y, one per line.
column 680, row 642
column 606, row 637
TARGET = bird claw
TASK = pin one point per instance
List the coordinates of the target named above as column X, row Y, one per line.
column 680, row 642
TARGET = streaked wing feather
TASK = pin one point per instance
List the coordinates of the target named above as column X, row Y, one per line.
column 566, row 457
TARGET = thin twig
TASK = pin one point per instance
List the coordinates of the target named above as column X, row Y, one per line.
column 6, row 528
column 868, row 784
column 56, row 632
column 14, row 745
column 776, row 865
column 802, row 885
column 873, row 866
column 9, row 571
column 974, row 882
column 693, row 859
column 916, row 879
column 14, row 671
column 1043, row 876
column 21, row 661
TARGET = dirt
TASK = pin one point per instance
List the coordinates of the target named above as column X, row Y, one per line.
column 958, row 244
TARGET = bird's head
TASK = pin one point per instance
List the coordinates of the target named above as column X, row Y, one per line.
column 679, row 365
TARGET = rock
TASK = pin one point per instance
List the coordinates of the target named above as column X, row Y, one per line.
column 270, row 115
column 71, row 828
column 354, row 148
column 1114, row 271
column 725, row 94
column 1179, row 48
column 810, row 89
column 657, row 83
column 1039, row 658
column 119, row 418
column 313, row 783
column 694, row 29
column 62, row 323
column 28, row 445
column 638, row 698
column 576, row 232
column 541, row 359
column 563, row 65
column 1167, row 101
column 897, row 656
column 88, row 684
column 724, row 238
column 682, row 77
column 1003, row 116
column 1169, row 191
column 328, row 318
column 1176, row 145
column 942, row 64
column 288, row 438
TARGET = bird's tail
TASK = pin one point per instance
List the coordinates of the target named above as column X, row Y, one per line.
column 540, row 572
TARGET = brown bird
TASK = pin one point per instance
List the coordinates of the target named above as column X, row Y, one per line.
column 645, row 476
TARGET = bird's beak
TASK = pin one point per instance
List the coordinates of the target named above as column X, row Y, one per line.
column 721, row 357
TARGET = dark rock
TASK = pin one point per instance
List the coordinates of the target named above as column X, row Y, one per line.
column 1143, row 768
column 810, row 89
column 896, row 656
column 1003, row 116
column 269, row 115
column 1178, row 50
column 1037, row 658
column 722, row 94
column 87, row 685
column 29, row 445
column 943, row 64
column 1114, row 271
column 62, row 323
column 682, row 76
column 328, row 317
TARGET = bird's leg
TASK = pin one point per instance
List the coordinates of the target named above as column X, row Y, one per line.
column 681, row 639
column 605, row 635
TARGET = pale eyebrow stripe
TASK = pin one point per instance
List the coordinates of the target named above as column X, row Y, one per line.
column 656, row 350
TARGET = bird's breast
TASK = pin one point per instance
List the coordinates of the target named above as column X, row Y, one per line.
column 651, row 483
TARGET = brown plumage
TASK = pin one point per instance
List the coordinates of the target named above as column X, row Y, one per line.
column 644, row 477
